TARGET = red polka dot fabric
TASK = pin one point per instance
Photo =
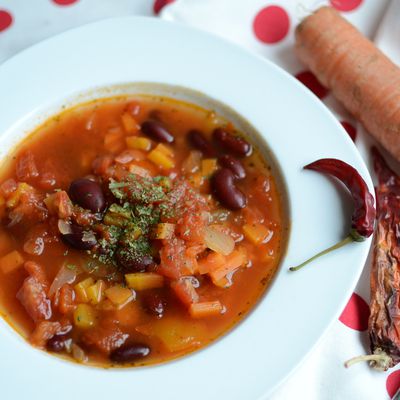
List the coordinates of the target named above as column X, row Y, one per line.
column 65, row 2
column 265, row 27
column 309, row 80
column 345, row 5
column 271, row 24
column 356, row 314
column 6, row 20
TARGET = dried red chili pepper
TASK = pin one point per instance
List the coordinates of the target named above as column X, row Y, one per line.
column 363, row 218
column 384, row 320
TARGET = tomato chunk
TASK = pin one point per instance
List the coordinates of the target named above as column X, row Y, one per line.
column 33, row 297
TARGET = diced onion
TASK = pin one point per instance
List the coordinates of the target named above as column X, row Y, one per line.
column 78, row 354
column 64, row 227
column 64, row 275
column 192, row 163
column 218, row 241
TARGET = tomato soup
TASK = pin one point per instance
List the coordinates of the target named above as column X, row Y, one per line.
column 135, row 230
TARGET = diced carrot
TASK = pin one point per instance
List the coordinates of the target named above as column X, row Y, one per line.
column 208, row 166
column 66, row 299
column 6, row 242
column 212, row 262
column 37, row 271
column 11, row 261
column 144, row 280
column 129, row 123
column 59, row 204
column 160, row 159
column 140, row 143
column 256, row 233
column 185, row 291
column 16, row 196
column 196, row 180
column 87, row 158
column 8, row 187
column 205, row 309
column 33, row 297
column 233, row 261
column 129, row 315
column 101, row 164
column 26, row 167
column 114, row 140
column 105, row 338
column 44, row 331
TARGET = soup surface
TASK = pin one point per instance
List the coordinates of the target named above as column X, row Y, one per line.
column 135, row 230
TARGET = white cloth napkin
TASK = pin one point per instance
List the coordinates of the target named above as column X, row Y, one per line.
column 322, row 376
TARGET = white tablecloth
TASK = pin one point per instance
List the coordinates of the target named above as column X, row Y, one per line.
column 265, row 27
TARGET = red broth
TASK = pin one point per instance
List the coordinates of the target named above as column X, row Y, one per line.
column 154, row 256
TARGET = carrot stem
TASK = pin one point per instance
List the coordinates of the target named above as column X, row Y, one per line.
column 346, row 240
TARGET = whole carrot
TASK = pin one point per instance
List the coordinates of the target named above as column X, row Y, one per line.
column 360, row 76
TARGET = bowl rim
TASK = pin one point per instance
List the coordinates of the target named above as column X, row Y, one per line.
column 20, row 106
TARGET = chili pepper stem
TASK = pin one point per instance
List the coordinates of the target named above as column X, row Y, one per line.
column 382, row 361
column 346, row 240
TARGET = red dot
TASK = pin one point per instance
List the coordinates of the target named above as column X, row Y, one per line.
column 393, row 383
column 350, row 129
column 160, row 4
column 356, row 313
column 271, row 24
column 345, row 5
column 309, row 80
column 65, row 2
column 6, row 20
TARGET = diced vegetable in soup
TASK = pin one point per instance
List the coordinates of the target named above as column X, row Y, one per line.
column 135, row 230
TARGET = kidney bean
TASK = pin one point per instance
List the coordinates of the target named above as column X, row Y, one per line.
column 154, row 304
column 234, row 165
column 133, row 263
column 79, row 238
column 224, row 189
column 57, row 343
column 199, row 142
column 156, row 130
column 130, row 352
column 232, row 144
column 88, row 194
